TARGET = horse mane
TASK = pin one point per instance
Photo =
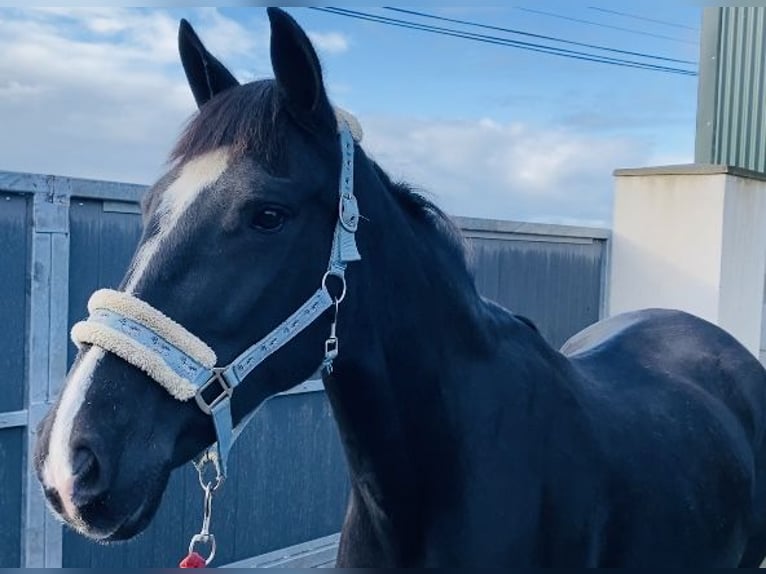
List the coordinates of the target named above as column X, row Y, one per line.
column 443, row 250
column 423, row 210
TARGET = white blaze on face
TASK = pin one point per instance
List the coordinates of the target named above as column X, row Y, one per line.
column 57, row 471
column 194, row 176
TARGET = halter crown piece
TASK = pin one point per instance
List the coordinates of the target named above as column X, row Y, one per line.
column 182, row 363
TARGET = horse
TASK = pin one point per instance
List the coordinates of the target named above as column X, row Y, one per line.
column 470, row 441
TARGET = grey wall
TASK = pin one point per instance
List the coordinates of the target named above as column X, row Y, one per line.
column 288, row 479
column 552, row 274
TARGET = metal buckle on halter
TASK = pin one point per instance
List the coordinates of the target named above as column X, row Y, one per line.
column 348, row 213
column 226, row 391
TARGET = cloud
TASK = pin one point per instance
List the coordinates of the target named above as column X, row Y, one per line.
column 148, row 36
column 99, row 92
column 329, row 42
column 484, row 168
column 227, row 38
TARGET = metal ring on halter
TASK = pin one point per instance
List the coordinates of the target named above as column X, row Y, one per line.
column 340, row 278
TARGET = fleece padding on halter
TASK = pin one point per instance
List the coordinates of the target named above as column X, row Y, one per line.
column 147, row 339
column 353, row 125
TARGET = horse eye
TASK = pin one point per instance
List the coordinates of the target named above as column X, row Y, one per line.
column 269, row 219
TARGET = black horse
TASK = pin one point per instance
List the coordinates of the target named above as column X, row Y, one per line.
column 470, row 441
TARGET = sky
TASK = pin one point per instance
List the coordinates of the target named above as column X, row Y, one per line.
column 485, row 130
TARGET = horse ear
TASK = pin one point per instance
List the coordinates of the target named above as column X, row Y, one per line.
column 297, row 70
column 206, row 75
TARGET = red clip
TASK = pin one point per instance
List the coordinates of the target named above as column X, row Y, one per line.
column 192, row 560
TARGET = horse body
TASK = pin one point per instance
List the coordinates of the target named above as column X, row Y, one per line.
column 640, row 445
column 470, row 441
column 679, row 407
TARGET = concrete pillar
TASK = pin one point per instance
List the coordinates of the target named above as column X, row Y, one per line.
column 691, row 237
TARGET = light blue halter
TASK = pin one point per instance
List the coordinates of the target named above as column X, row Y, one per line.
column 344, row 251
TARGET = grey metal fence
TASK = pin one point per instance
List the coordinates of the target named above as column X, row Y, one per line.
column 62, row 238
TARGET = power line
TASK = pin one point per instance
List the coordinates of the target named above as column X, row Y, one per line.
column 538, row 36
column 501, row 41
column 644, row 18
column 504, row 41
column 602, row 25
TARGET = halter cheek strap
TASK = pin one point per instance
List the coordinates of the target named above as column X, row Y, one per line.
column 182, row 363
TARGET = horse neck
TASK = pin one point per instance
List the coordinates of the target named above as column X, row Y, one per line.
column 403, row 332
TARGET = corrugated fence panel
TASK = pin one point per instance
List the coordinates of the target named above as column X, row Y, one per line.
column 14, row 257
column 11, row 441
column 556, row 284
column 292, row 482
column 101, row 245
column 732, row 100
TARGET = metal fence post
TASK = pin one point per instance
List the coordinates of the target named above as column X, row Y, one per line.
column 48, row 301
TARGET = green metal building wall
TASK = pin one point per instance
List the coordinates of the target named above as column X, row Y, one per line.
column 731, row 112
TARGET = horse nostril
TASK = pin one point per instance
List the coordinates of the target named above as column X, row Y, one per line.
column 89, row 479
column 84, row 465
column 55, row 500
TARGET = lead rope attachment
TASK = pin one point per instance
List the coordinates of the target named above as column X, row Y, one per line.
column 210, row 483
column 331, row 344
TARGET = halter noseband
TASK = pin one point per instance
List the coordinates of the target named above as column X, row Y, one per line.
column 144, row 337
